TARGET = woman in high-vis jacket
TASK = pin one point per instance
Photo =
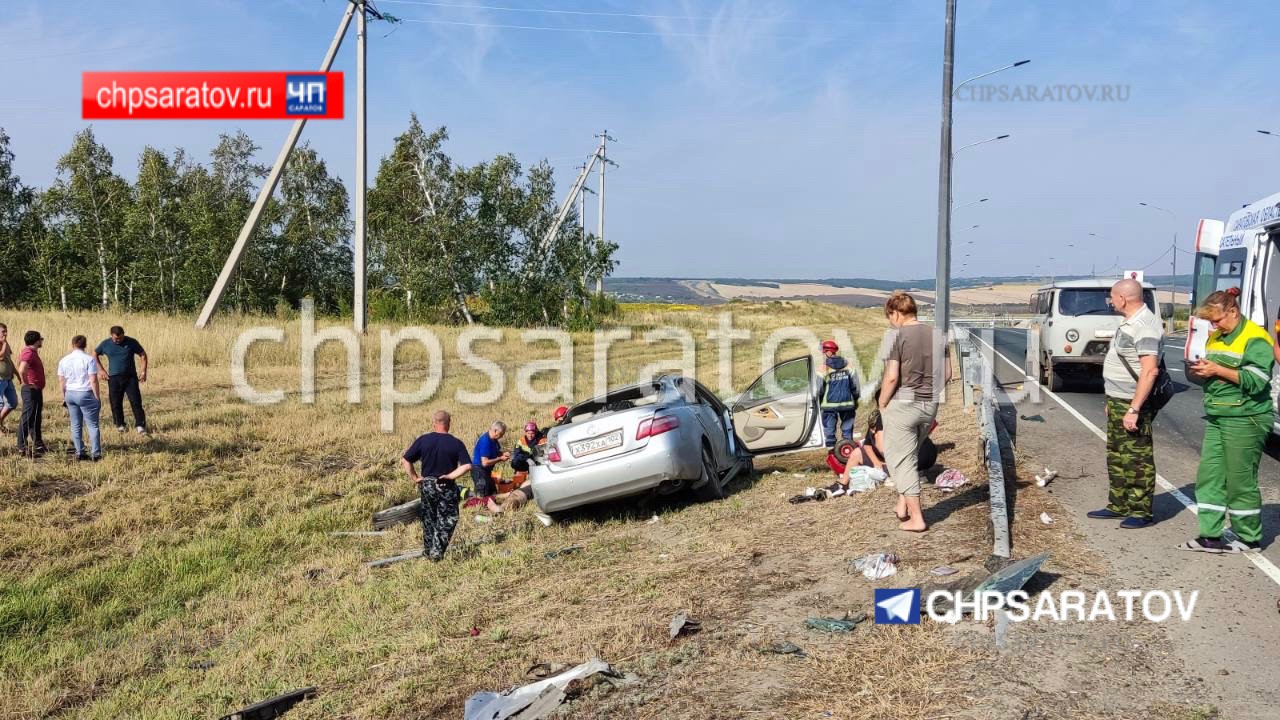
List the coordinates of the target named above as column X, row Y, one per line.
column 1236, row 372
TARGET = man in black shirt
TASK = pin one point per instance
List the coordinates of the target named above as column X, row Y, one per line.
column 443, row 459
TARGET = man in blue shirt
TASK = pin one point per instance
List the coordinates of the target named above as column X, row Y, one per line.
column 442, row 459
column 123, row 376
column 486, row 455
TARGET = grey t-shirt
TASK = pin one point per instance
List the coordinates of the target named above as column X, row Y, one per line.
column 912, row 347
column 1137, row 336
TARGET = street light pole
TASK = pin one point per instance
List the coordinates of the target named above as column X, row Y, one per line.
column 942, row 283
column 975, row 202
column 980, row 142
column 990, row 72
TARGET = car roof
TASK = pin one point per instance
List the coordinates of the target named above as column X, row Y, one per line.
column 1089, row 283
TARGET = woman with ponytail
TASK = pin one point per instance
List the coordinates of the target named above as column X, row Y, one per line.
column 1237, row 401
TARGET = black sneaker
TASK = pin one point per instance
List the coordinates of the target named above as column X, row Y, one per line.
column 836, row 490
column 82, row 457
column 1104, row 514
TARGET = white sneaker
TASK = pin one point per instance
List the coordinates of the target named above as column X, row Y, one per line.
column 141, row 430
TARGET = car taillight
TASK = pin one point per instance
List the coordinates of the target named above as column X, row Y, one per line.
column 657, row 425
column 553, row 454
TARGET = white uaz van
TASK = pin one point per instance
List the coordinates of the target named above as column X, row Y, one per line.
column 1072, row 328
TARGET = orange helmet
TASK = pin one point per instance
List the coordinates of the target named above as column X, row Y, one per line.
column 560, row 412
column 830, row 346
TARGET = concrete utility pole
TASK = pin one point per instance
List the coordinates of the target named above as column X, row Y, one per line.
column 604, row 160
column 942, row 283
column 269, row 187
column 1173, row 294
column 360, row 305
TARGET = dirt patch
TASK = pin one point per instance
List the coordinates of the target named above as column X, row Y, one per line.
column 43, row 488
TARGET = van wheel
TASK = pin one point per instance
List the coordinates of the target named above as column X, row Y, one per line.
column 711, row 489
column 1053, row 378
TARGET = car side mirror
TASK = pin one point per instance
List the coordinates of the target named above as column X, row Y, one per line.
column 1166, row 311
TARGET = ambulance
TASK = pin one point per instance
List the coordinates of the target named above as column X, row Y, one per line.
column 1242, row 252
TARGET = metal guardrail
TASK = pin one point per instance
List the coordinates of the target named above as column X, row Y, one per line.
column 977, row 371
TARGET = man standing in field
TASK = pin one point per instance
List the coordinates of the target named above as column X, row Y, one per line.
column 442, row 459
column 31, row 373
column 1129, row 371
column 8, row 394
column 123, row 377
column 839, row 394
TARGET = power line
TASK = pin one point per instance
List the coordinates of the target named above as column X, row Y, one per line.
column 598, row 31
column 555, row 11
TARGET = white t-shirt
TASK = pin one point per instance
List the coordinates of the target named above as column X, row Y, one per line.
column 77, row 369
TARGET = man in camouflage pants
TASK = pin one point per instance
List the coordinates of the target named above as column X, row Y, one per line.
column 443, row 459
column 1129, row 372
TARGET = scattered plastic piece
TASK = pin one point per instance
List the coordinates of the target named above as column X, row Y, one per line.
column 533, row 701
column 483, row 519
column 1046, row 518
column 797, row 475
column 681, row 623
column 272, row 707
column 1032, row 418
column 544, row 518
column 943, row 570
column 652, row 521
column 781, row 648
column 876, row 566
column 865, row 479
column 562, row 552
column 1046, row 478
column 1014, row 576
column 842, row 625
column 950, row 479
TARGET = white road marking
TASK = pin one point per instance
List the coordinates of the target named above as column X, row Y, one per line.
column 1263, row 564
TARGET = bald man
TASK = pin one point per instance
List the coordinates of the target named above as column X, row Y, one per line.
column 1129, row 372
column 443, row 459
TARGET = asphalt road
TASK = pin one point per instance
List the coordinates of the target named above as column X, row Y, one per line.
column 1230, row 640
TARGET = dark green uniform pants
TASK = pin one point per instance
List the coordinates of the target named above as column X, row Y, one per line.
column 1131, row 462
column 1227, row 482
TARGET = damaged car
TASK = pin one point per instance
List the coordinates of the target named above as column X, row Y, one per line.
column 671, row 434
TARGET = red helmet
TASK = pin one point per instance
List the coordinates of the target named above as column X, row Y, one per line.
column 560, row 413
column 830, row 346
column 531, row 426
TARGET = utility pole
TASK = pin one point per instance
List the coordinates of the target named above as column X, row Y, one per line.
column 269, row 187
column 360, row 305
column 604, row 160
column 942, row 283
column 1173, row 296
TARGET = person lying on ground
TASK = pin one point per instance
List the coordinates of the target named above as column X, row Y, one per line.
column 508, row 502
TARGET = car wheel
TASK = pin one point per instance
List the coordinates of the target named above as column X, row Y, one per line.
column 1053, row 378
column 711, row 489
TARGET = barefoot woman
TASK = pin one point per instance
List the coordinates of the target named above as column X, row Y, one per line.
column 908, row 402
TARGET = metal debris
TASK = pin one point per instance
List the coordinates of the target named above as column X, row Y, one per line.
column 834, row 625
column 780, row 648
column 562, row 552
column 533, row 701
column 681, row 623
column 943, row 570
column 272, row 707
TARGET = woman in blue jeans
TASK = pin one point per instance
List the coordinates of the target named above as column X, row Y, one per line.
column 78, row 376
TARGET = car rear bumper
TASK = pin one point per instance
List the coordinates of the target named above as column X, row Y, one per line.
column 632, row 474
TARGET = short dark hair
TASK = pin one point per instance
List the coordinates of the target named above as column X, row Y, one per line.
column 117, row 331
column 31, row 337
column 79, row 342
column 3, row 326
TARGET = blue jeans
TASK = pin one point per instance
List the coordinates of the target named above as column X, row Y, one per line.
column 829, row 419
column 84, row 408
column 8, row 395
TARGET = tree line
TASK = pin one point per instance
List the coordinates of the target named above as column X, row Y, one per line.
column 447, row 242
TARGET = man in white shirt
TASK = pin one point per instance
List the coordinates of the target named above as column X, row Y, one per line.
column 78, row 376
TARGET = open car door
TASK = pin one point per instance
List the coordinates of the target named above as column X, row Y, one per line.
column 779, row 412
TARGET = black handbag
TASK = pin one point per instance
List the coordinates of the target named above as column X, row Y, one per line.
column 1161, row 391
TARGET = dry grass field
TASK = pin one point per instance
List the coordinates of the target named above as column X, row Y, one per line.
column 192, row 573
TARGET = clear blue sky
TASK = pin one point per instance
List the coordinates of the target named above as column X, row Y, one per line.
column 755, row 138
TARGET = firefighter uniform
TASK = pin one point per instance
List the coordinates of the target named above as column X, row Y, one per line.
column 1239, row 418
column 839, row 399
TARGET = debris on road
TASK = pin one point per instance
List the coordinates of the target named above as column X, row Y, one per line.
column 834, row 625
column 533, row 701
column 1046, row 478
column 1014, row 576
column 682, row 623
column 399, row 515
column 1046, row 518
column 809, row 494
column 865, row 479
column 943, row 570
column 544, row 518
column 358, row 533
column 876, row 566
column 950, row 479
column 1032, row 418
column 383, row 562
column 483, row 519
column 272, row 707
column 780, row 648
column 562, row 552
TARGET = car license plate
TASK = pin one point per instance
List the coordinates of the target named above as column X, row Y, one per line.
column 599, row 443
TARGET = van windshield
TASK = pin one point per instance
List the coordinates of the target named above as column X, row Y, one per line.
column 1094, row 301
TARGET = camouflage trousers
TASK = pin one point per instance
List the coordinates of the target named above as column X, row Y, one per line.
column 1131, row 463
column 440, row 500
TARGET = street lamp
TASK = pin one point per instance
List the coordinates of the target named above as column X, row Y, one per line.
column 1173, row 294
column 1268, row 132
column 975, row 202
column 990, row 72
column 980, row 142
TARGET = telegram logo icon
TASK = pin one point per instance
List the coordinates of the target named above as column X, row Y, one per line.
column 895, row 606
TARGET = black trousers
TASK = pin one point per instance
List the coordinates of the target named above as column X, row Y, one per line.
column 118, row 386
column 439, row 514
column 30, row 426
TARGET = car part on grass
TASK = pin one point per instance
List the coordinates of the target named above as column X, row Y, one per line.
column 398, row 515
column 683, row 624
column 876, row 566
column 1014, row 576
column 781, row 647
column 943, row 571
column 834, row 625
column 272, row 707
column 533, row 701
column 950, row 479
